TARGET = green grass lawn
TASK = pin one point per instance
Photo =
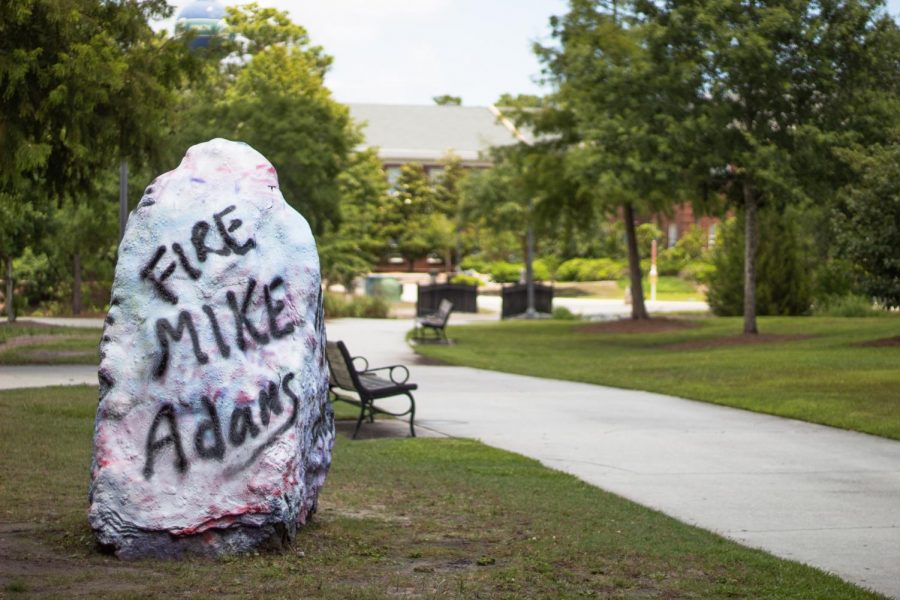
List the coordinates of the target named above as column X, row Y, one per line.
column 422, row 518
column 827, row 378
column 668, row 287
column 30, row 343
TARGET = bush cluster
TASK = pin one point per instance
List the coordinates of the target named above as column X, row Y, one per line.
column 590, row 269
column 465, row 280
column 369, row 307
column 783, row 282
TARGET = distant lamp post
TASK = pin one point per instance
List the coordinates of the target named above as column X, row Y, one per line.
column 530, row 312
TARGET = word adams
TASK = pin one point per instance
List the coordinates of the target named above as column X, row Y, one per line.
column 209, row 437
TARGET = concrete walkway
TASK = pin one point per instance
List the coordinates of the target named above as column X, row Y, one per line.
column 822, row 496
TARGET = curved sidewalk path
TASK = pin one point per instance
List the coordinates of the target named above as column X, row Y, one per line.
column 819, row 495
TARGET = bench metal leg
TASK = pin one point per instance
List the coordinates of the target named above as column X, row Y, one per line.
column 359, row 421
column 412, row 415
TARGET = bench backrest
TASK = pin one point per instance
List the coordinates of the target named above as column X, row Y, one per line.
column 340, row 366
column 444, row 310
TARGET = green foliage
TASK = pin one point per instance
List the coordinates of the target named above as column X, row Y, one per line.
column 774, row 89
column 848, row 305
column 465, row 280
column 339, row 306
column 590, row 269
column 35, row 278
column 697, row 271
column 783, row 280
column 505, row 272
column 351, row 248
column 646, row 233
column 271, row 94
column 686, row 257
column 447, row 100
column 869, row 223
column 561, row 313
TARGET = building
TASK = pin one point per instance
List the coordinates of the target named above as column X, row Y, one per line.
column 426, row 134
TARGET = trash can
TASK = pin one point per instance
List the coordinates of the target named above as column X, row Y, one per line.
column 384, row 287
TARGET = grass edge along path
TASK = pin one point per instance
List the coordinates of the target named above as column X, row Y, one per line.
column 823, row 370
column 424, row 518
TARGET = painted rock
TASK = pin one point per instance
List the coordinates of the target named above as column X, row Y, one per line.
column 213, row 433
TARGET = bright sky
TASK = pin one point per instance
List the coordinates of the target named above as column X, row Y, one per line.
column 407, row 51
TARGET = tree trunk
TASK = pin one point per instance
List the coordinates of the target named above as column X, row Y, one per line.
column 10, row 304
column 638, row 310
column 750, row 243
column 76, row 286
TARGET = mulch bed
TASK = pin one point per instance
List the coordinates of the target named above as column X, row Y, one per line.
column 738, row 340
column 882, row 343
column 657, row 325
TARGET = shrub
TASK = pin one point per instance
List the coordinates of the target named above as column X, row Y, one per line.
column 541, row 270
column 465, row 280
column 783, row 285
column 474, row 263
column 370, row 307
column 589, row 269
column 568, row 270
column 847, row 305
column 561, row 313
column 505, row 272
column 34, row 277
column 697, row 271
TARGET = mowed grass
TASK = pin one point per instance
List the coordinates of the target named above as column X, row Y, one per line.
column 828, row 378
column 668, row 288
column 28, row 343
column 417, row 518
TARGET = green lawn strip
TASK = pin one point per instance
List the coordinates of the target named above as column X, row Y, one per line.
column 827, row 378
column 668, row 288
column 25, row 343
column 404, row 517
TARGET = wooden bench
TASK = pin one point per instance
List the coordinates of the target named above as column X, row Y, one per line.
column 436, row 322
column 362, row 387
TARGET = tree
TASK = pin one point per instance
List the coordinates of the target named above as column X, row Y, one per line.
column 403, row 220
column 778, row 85
column 447, row 100
column 21, row 222
column 868, row 222
column 351, row 248
column 83, row 82
column 622, row 112
column 271, row 94
column 784, row 282
column 448, row 202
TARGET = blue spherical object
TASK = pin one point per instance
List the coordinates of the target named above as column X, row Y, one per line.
column 202, row 17
column 202, row 9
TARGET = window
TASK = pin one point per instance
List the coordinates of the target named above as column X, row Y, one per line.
column 434, row 173
column 393, row 176
column 711, row 239
column 673, row 234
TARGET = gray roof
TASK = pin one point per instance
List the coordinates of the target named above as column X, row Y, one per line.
column 405, row 133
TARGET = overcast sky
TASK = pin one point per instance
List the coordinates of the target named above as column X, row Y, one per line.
column 407, row 51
